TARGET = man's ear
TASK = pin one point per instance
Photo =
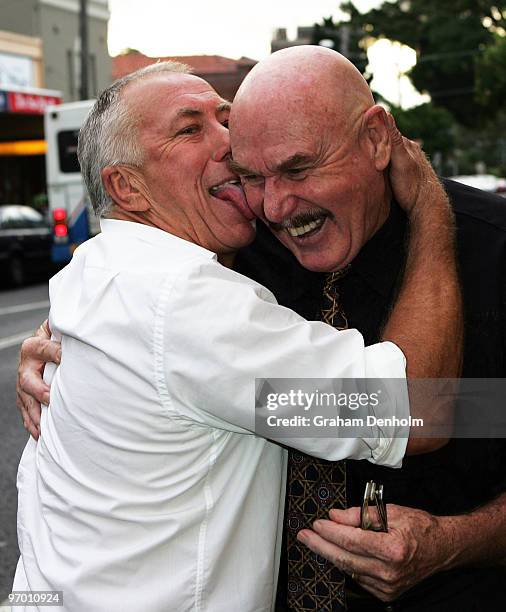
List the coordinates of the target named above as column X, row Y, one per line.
column 376, row 133
column 126, row 188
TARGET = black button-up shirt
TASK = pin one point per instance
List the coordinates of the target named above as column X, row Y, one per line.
column 465, row 473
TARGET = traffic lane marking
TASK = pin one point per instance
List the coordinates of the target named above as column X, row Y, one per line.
column 24, row 307
column 15, row 339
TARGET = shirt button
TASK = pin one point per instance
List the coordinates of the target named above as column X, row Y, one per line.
column 390, row 608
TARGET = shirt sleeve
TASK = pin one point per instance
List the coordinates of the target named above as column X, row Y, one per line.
column 218, row 331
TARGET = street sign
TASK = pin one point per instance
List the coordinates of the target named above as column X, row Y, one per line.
column 29, row 103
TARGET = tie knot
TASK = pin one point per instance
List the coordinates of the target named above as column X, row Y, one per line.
column 333, row 277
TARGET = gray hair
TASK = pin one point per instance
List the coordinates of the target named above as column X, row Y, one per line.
column 108, row 136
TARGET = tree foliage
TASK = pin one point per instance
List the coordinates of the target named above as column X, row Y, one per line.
column 491, row 77
column 434, row 127
column 450, row 39
column 129, row 51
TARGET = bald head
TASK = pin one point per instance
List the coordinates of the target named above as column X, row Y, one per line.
column 306, row 79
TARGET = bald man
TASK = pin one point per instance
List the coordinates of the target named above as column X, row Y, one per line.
column 310, row 146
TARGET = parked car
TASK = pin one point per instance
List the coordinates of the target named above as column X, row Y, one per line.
column 25, row 243
column 486, row 182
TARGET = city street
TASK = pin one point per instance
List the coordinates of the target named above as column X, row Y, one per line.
column 21, row 311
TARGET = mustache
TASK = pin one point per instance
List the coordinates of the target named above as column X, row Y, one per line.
column 299, row 220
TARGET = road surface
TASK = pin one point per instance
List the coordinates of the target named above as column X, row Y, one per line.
column 21, row 312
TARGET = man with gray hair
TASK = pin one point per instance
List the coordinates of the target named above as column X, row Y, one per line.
column 147, row 488
column 111, row 135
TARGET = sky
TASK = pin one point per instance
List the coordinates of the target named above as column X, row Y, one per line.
column 236, row 28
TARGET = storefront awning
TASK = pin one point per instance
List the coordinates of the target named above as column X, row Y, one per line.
column 27, row 101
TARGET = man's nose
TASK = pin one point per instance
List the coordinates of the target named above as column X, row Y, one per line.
column 221, row 150
column 279, row 204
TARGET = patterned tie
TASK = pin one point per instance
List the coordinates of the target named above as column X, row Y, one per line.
column 314, row 487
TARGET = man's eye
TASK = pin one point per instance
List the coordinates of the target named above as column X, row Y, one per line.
column 296, row 172
column 189, row 129
column 225, row 123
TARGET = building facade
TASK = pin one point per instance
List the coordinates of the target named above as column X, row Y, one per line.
column 280, row 39
column 40, row 65
column 55, row 23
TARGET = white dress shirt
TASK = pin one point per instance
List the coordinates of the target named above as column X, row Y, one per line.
column 148, row 489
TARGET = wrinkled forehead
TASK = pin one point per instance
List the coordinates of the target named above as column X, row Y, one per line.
column 162, row 96
column 263, row 132
column 267, row 136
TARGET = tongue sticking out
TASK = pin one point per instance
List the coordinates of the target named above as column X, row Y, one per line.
column 234, row 194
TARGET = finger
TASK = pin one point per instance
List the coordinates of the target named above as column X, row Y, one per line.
column 28, row 424
column 34, row 431
column 396, row 137
column 31, row 385
column 350, row 516
column 42, row 350
column 341, row 558
column 44, row 331
column 29, row 408
column 353, row 539
column 33, row 409
column 49, row 351
column 395, row 512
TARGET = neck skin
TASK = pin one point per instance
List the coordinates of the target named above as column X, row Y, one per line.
column 383, row 210
column 225, row 259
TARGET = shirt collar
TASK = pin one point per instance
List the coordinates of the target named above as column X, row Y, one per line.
column 153, row 235
column 381, row 258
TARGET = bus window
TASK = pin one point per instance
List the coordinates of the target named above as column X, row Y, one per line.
column 67, row 151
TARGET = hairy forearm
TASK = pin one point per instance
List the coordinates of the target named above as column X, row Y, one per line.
column 430, row 300
column 430, row 297
column 426, row 321
column 477, row 538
